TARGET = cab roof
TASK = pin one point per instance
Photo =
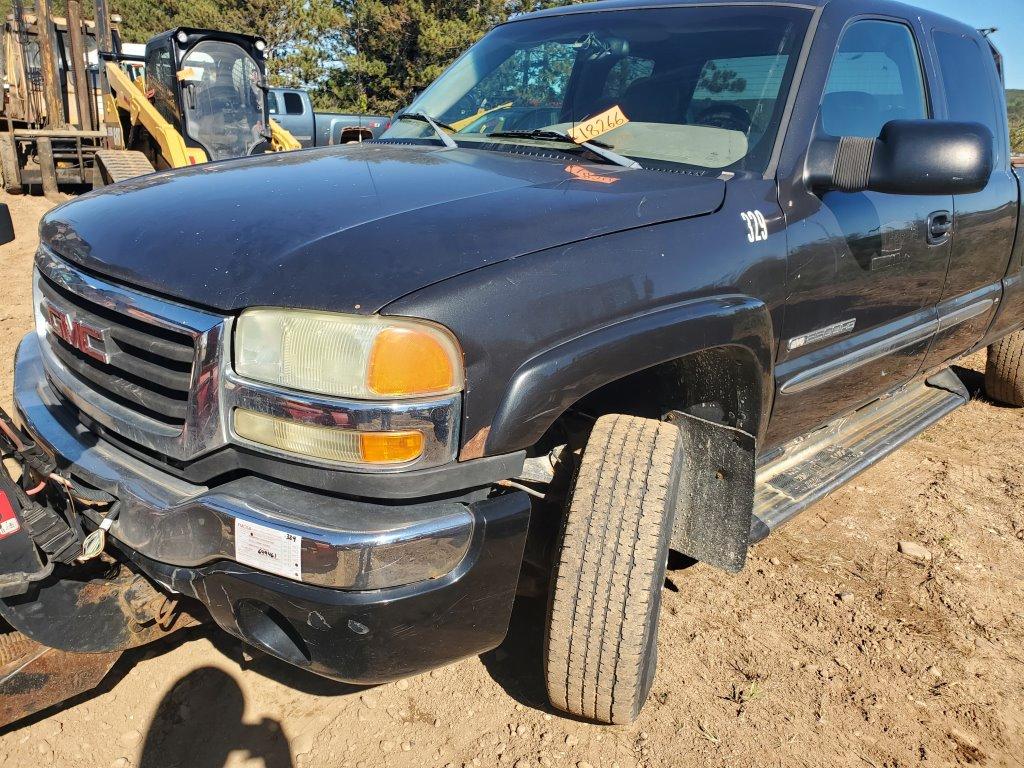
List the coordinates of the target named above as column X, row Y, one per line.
column 855, row 6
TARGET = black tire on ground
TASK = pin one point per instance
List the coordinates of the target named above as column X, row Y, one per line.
column 9, row 166
column 601, row 641
column 1004, row 371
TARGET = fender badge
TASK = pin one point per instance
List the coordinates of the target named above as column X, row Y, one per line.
column 837, row 329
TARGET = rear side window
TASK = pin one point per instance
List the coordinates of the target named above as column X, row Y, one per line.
column 876, row 77
column 292, row 103
column 969, row 76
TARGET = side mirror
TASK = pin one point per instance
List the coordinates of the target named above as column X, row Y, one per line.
column 910, row 157
column 6, row 225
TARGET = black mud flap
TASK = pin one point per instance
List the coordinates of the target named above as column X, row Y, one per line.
column 716, row 493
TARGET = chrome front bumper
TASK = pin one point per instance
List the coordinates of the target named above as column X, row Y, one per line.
column 344, row 544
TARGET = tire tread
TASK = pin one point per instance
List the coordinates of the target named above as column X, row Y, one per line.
column 1004, row 370
column 610, row 565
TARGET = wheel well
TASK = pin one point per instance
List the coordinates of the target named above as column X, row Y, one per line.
column 721, row 385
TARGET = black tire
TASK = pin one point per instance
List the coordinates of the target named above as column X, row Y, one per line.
column 9, row 166
column 602, row 631
column 1004, row 371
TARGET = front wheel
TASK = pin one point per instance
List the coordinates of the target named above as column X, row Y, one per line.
column 602, row 631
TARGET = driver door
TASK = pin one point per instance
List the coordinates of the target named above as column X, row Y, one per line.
column 160, row 81
column 865, row 271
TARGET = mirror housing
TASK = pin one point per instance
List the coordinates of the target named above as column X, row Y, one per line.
column 6, row 225
column 910, row 157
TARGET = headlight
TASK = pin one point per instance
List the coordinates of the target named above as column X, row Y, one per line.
column 367, row 358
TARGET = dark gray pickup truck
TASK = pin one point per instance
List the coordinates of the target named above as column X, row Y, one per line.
column 293, row 110
column 629, row 277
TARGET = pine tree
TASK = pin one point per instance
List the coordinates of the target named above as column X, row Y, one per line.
column 389, row 48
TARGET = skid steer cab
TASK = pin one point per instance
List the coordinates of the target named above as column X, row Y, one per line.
column 203, row 97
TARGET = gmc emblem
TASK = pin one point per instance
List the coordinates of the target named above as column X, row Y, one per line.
column 86, row 338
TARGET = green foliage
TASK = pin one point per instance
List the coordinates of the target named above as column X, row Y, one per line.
column 392, row 47
column 715, row 80
column 1015, row 105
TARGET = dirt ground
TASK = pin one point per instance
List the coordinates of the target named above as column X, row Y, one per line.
column 830, row 649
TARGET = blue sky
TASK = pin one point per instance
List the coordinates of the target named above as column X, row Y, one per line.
column 1008, row 15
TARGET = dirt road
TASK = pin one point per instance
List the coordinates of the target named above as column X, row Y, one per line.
column 830, row 649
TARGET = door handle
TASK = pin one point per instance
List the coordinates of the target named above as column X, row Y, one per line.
column 940, row 225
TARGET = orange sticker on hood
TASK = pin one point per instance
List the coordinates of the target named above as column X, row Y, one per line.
column 585, row 174
column 597, row 125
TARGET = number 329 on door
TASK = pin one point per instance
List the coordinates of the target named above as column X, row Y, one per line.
column 757, row 226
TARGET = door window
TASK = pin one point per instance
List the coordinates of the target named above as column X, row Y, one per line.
column 969, row 77
column 876, row 77
column 160, row 79
column 292, row 103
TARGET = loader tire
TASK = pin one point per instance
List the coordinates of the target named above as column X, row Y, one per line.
column 1004, row 371
column 602, row 630
column 14, row 645
column 9, row 166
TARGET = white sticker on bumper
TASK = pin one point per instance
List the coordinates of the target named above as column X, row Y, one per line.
column 268, row 549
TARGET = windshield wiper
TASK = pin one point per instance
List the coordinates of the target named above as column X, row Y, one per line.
column 447, row 140
column 598, row 149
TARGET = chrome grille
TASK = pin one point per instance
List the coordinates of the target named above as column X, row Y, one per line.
column 143, row 368
column 134, row 363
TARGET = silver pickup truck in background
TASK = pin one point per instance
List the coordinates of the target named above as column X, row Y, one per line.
column 292, row 108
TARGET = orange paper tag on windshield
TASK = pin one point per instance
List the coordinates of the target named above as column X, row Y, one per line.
column 595, row 126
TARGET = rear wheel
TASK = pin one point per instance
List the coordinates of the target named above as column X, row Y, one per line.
column 1004, row 371
column 601, row 641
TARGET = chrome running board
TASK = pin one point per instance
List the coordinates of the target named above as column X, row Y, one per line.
column 810, row 468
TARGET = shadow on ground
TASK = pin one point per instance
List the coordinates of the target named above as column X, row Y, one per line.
column 272, row 668
column 116, row 674
column 517, row 664
column 199, row 724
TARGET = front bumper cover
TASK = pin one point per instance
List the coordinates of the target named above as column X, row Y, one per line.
column 374, row 577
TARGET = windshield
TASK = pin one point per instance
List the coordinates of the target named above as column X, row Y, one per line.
column 223, row 99
column 701, row 87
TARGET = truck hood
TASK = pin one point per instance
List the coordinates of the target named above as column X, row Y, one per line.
column 353, row 228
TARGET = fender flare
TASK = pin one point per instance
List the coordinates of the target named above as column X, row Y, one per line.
column 544, row 387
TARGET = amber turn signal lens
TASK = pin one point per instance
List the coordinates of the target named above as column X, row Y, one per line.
column 328, row 443
column 390, row 447
column 408, row 361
